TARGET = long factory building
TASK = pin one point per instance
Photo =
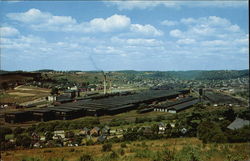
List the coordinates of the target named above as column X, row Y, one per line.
column 95, row 107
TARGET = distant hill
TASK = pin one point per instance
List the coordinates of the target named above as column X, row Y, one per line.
column 191, row 75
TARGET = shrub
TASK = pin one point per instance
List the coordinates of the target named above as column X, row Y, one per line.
column 106, row 147
column 4, row 131
column 90, row 142
column 86, row 157
column 210, row 132
column 121, row 151
column 23, row 140
column 123, row 145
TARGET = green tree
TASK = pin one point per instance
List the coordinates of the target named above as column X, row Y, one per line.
column 69, row 134
column 54, row 91
column 4, row 131
column 210, row 132
column 48, row 136
column 17, row 131
column 23, row 140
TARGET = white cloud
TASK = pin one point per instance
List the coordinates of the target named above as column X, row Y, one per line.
column 44, row 21
column 234, row 28
column 111, row 23
column 129, row 5
column 214, row 43
column 176, row 33
column 8, row 31
column 169, row 23
column 186, row 41
column 32, row 15
column 136, row 42
column 212, row 27
column 134, row 4
column 145, row 30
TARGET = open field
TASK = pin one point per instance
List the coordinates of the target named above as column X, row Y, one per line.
column 23, row 94
column 138, row 151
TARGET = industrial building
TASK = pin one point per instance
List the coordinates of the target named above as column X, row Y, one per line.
column 101, row 106
column 182, row 106
column 167, row 106
column 42, row 114
column 19, row 116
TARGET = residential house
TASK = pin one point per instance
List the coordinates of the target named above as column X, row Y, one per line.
column 238, row 123
column 59, row 134
column 95, row 131
column 105, row 130
column 101, row 138
column 162, row 128
column 85, row 131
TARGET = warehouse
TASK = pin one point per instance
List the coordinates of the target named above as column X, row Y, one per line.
column 64, row 114
column 165, row 107
column 182, row 106
column 79, row 111
column 19, row 116
column 42, row 114
column 116, row 110
column 95, row 111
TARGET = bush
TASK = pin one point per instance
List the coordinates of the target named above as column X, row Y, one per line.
column 18, row 131
column 23, row 140
column 123, row 145
column 106, row 147
column 189, row 153
column 210, row 132
column 86, row 157
column 90, row 142
column 4, row 131
column 121, row 151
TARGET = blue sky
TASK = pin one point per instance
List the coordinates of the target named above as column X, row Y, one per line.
column 124, row 35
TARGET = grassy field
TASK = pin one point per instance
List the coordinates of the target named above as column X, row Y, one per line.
column 23, row 94
column 141, row 151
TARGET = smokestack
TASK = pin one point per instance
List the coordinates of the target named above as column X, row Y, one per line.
column 110, row 86
column 105, row 84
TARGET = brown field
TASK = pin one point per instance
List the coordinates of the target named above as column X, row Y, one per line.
column 23, row 94
column 219, row 151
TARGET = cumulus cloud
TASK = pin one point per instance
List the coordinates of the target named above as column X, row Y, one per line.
column 206, row 27
column 111, row 23
column 169, row 23
column 186, row 41
column 44, row 21
column 8, row 31
column 145, row 29
column 176, row 33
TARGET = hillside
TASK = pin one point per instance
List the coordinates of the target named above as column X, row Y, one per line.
column 182, row 149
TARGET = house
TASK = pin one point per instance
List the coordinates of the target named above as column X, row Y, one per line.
column 172, row 124
column 35, row 136
column 105, row 130
column 162, row 128
column 238, row 123
column 95, row 131
column 59, row 134
column 101, row 138
column 85, row 131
